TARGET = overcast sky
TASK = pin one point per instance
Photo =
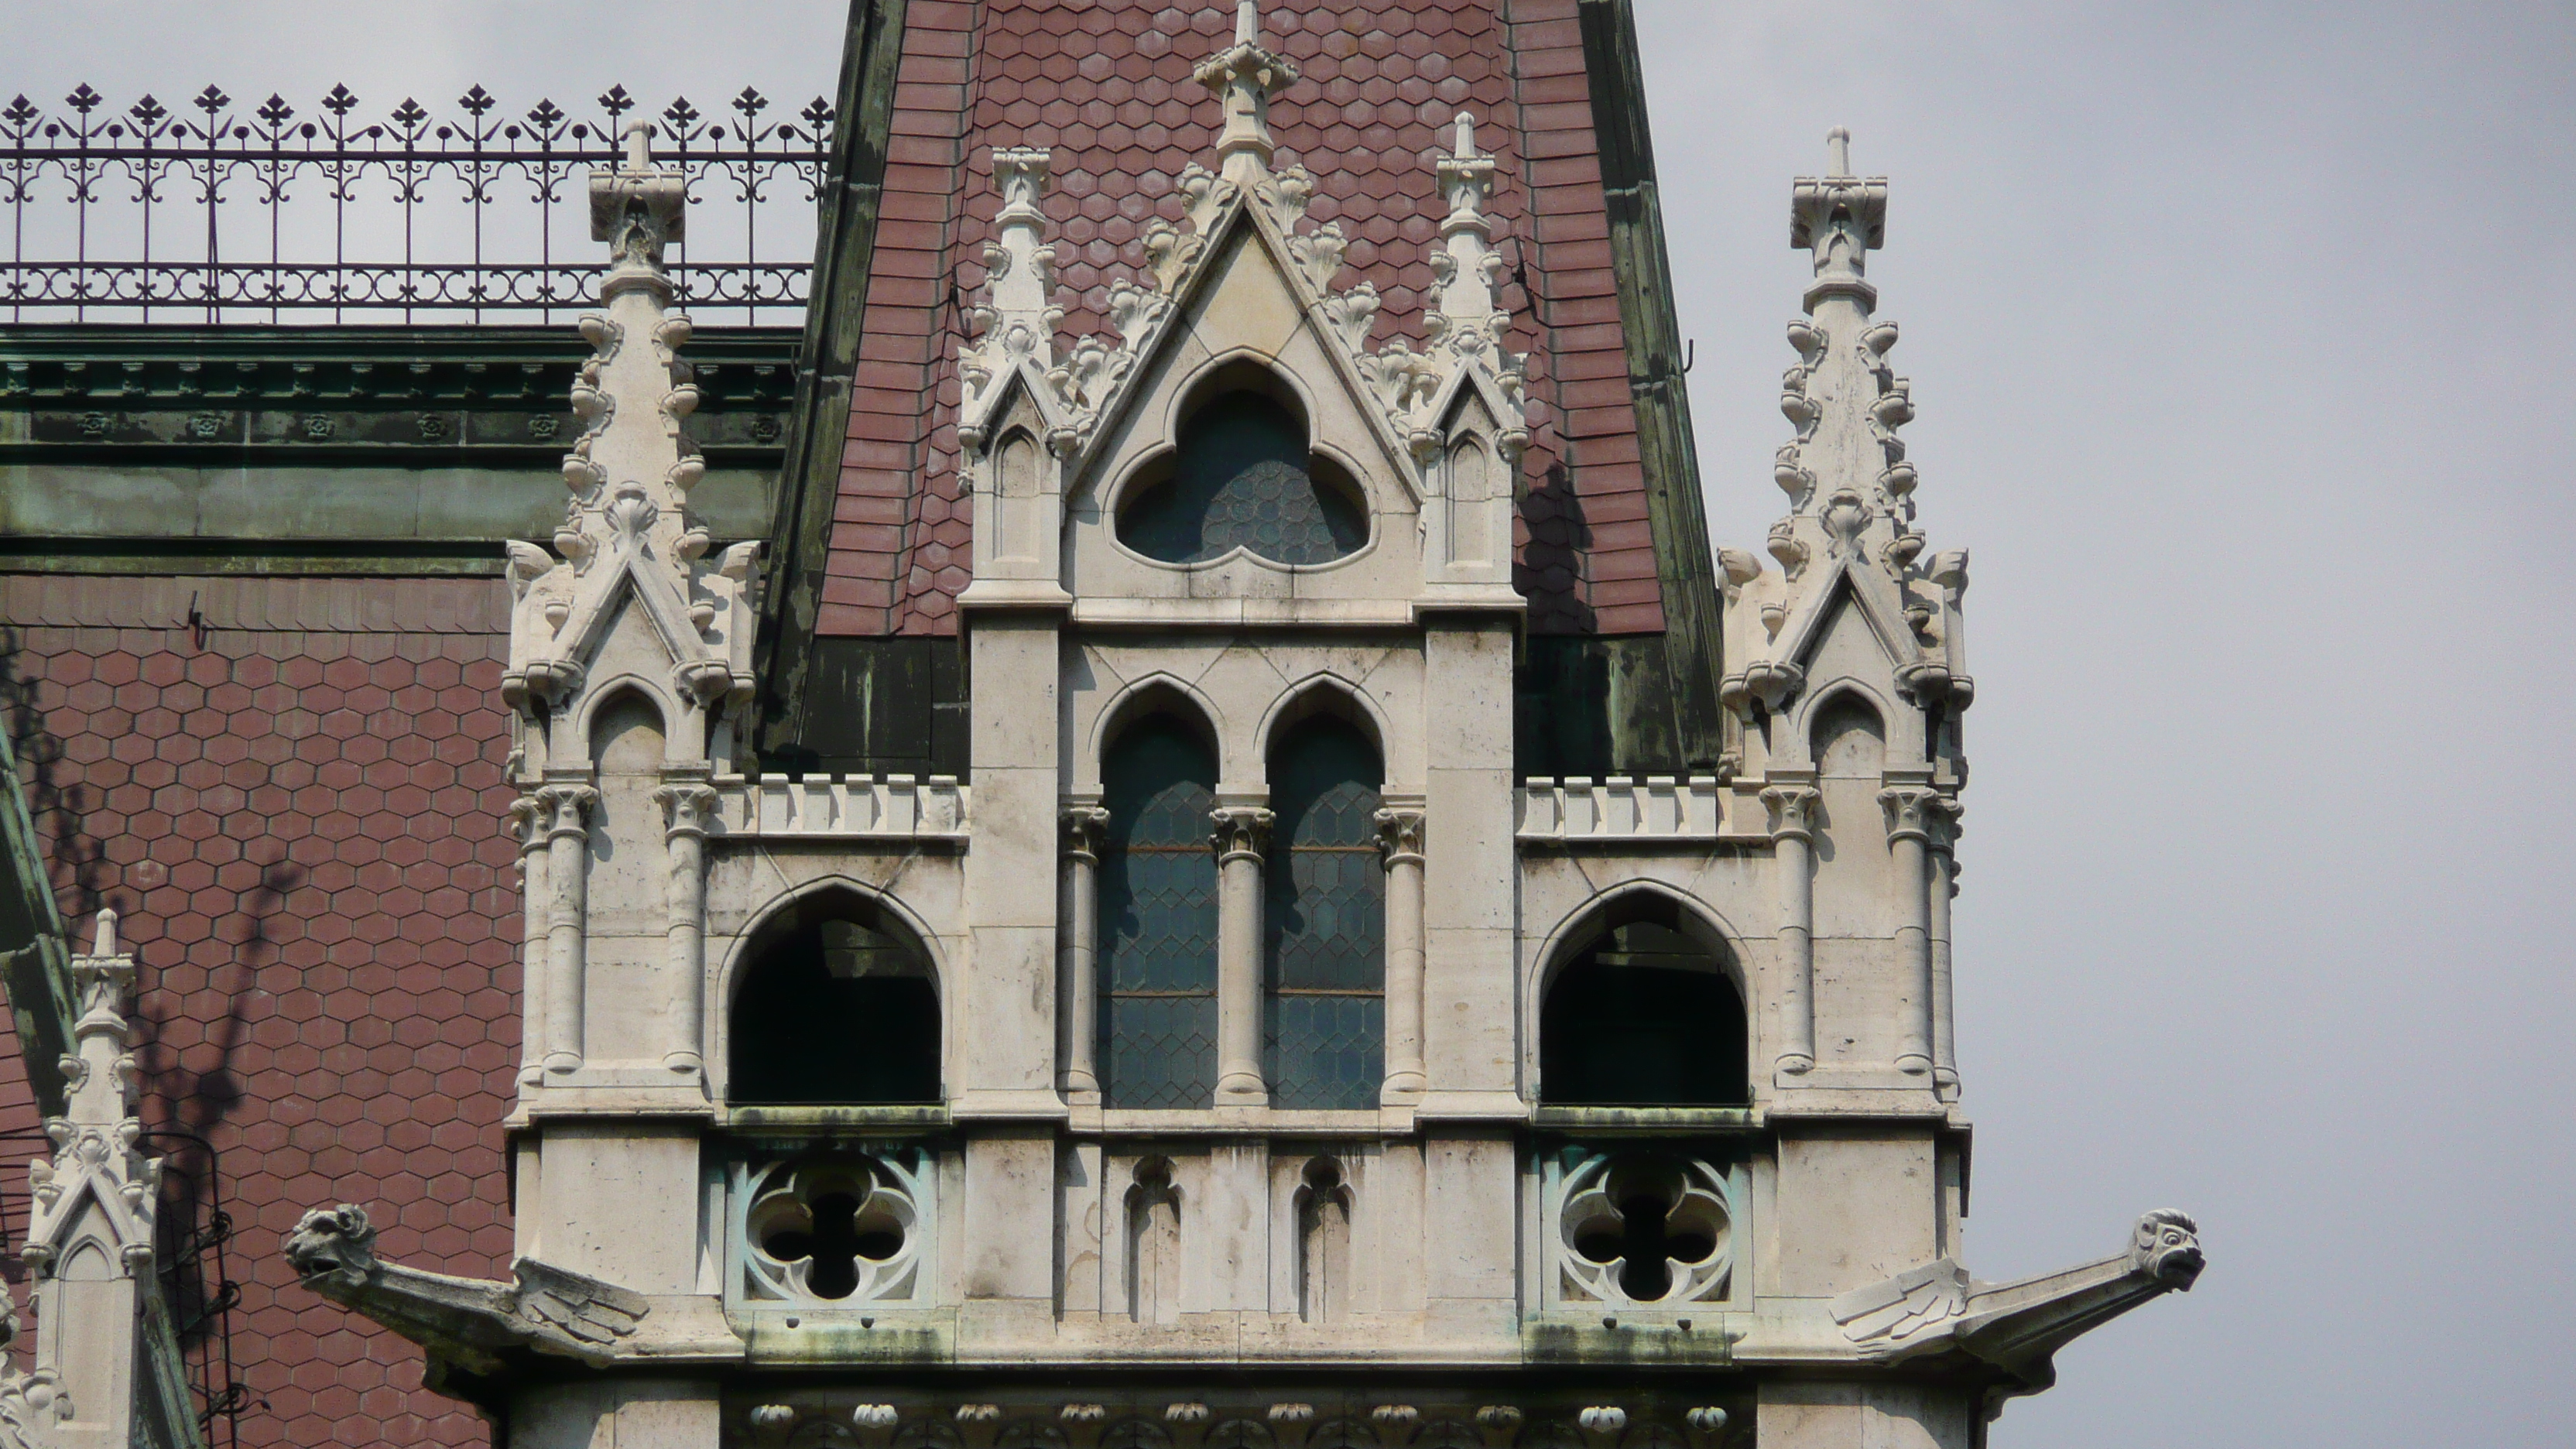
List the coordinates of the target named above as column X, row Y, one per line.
column 2240, row 335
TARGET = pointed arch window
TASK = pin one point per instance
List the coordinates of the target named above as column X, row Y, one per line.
column 1158, row 918
column 1243, row 476
column 1325, row 920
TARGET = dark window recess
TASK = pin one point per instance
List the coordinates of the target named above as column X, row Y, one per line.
column 1243, row 477
column 1643, row 1018
column 836, row 1012
column 1325, row 921
column 1157, row 941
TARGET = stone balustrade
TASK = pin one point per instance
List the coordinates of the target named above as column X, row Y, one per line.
column 1579, row 808
column 845, row 807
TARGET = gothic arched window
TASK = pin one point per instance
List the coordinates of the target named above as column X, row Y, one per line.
column 1157, row 941
column 1643, row 1017
column 1325, row 920
column 1242, row 476
column 837, row 1007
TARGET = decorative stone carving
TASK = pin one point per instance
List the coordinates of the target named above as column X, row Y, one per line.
column 1692, row 1233
column 628, row 536
column 469, row 1322
column 1850, row 531
column 839, row 1230
column 2019, row 1326
column 93, row 1215
column 1076, row 384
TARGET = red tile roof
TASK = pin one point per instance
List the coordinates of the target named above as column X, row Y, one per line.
column 298, row 821
column 1107, row 85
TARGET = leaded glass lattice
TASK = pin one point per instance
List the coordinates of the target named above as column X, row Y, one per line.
column 1324, row 1016
column 1242, row 479
column 1158, row 920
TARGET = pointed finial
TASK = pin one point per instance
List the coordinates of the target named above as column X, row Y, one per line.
column 1245, row 76
column 1466, row 142
column 1247, row 22
column 1838, row 152
column 103, row 941
column 639, row 144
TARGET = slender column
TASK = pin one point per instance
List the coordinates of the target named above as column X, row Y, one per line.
column 1944, row 885
column 1077, row 949
column 528, row 827
column 684, row 837
column 1909, row 814
column 566, row 810
column 1793, row 816
column 1399, row 835
column 1242, row 832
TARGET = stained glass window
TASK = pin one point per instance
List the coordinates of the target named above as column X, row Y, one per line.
column 1243, row 477
column 1158, row 919
column 1643, row 1018
column 1325, row 1011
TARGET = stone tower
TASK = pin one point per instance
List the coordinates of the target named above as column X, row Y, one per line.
column 1268, row 1038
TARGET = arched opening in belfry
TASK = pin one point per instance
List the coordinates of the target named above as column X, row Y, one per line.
column 1158, row 911
column 1644, row 1013
column 1324, row 922
column 837, row 1006
column 1243, row 474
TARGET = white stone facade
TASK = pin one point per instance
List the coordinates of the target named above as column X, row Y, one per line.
column 754, row 1266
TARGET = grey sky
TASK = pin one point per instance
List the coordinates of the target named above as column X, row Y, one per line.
column 2240, row 335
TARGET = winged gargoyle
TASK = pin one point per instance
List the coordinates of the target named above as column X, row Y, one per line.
column 2018, row 1327
column 468, row 1321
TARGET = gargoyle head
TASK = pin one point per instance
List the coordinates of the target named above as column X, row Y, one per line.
column 333, row 1245
column 2168, row 1244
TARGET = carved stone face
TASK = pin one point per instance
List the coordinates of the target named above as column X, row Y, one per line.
column 2169, row 1243
column 333, row 1245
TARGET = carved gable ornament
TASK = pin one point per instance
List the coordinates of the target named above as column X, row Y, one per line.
column 1243, row 277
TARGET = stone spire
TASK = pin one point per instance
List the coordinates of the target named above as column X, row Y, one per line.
column 90, row 1227
column 628, row 532
column 1245, row 75
column 1851, row 491
column 1016, row 324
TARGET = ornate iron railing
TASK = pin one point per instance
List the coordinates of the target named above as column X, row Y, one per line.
column 146, row 214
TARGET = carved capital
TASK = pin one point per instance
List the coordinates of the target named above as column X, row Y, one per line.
column 1498, row 1425
column 1706, row 1426
column 567, row 808
column 1793, row 811
column 1290, row 1424
column 1395, row 1424
column 1602, row 1426
column 1241, row 830
column 1083, row 826
column 1400, row 835
column 685, row 808
column 526, row 823
column 1188, row 1423
column 1083, row 1424
column 875, row 1424
column 1909, row 811
column 1942, row 816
